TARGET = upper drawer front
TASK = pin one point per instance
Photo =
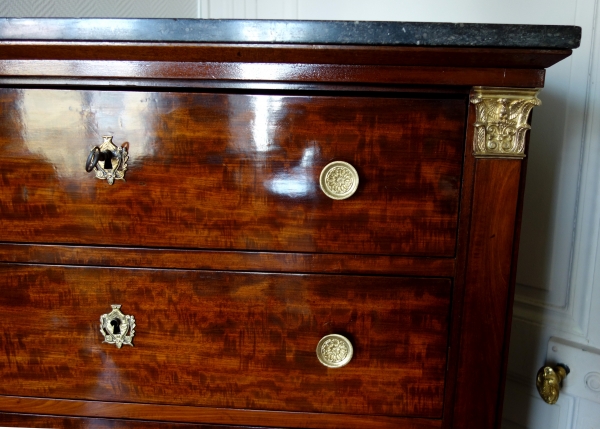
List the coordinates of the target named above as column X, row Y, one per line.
column 220, row 339
column 232, row 171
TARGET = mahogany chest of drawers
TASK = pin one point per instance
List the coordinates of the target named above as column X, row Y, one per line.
column 267, row 224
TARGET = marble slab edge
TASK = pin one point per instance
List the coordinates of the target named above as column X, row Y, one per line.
column 294, row 32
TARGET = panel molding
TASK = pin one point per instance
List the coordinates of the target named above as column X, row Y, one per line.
column 100, row 8
column 231, row 9
column 248, row 9
column 535, row 319
column 523, row 408
column 583, row 130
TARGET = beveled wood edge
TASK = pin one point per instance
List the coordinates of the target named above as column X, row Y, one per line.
column 512, row 281
column 247, row 87
column 487, row 292
column 178, row 413
column 283, row 53
column 47, row 421
column 225, row 260
column 462, row 247
column 269, row 72
column 492, row 361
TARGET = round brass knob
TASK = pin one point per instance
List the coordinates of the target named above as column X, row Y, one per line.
column 334, row 351
column 548, row 382
column 338, row 180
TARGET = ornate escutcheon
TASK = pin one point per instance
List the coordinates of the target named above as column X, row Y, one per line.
column 338, row 180
column 548, row 382
column 334, row 351
column 117, row 328
column 109, row 161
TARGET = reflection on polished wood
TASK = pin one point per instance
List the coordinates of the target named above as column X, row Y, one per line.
column 226, row 260
column 324, row 73
column 284, row 53
column 491, row 281
column 222, row 245
column 141, row 416
column 233, row 171
column 221, row 339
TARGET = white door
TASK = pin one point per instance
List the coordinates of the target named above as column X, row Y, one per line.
column 558, row 281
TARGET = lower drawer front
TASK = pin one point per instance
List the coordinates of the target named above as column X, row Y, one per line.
column 45, row 422
column 221, row 339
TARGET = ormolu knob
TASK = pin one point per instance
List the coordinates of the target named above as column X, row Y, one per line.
column 334, row 351
column 338, row 180
column 548, row 382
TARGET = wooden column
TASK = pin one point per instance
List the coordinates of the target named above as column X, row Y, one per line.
column 498, row 120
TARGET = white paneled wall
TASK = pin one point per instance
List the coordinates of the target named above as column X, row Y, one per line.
column 249, row 9
column 558, row 291
column 100, row 8
column 484, row 11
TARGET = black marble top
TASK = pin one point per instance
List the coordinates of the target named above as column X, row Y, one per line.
column 305, row 32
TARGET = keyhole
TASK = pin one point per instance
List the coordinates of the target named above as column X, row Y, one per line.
column 107, row 158
column 115, row 324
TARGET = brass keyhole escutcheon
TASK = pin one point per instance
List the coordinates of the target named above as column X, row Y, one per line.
column 108, row 160
column 117, row 328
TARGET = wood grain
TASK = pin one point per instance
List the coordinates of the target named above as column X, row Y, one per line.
column 511, row 287
column 225, row 260
column 229, row 340
column 487, row 292
column 284, row 53
column 147, row 412
column 45, row 422
column 227, row 142
column 232, row 171
column 462, row 258
column 270, row 72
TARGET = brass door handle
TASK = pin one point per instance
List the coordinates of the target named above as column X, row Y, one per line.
column 548, row 381
column 338, row 180
column 334, row 351
column 109, row 161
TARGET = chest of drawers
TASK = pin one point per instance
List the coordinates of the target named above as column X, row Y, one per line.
column 267, row 224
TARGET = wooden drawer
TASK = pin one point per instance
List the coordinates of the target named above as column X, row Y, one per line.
column 220, row 339
column 233, row 171
column 45, row 422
